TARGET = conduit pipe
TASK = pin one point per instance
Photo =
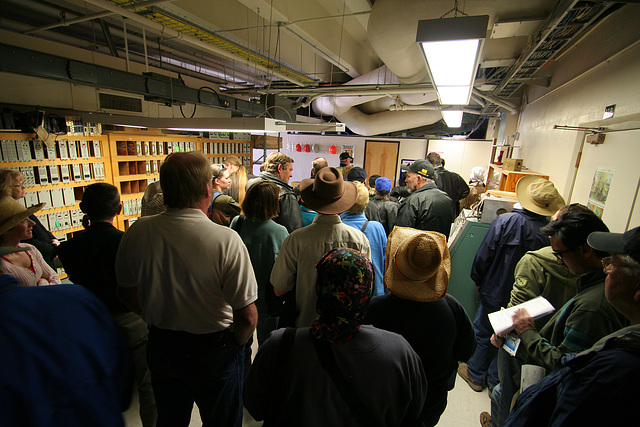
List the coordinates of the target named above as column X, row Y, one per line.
column 499, row 102
column 392, row 33
column 170, row 33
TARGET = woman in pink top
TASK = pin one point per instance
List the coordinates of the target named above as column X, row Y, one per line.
column 21, row 260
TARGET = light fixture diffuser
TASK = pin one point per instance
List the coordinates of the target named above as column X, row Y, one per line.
column 451, row 47
column 453, row 118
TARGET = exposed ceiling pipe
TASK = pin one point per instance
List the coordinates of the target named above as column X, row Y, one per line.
column 499, row 102
column 84, row 18
column 68, row 22
column 168, row 32
column 402, row 107
column 392, row 34
column 478, row 100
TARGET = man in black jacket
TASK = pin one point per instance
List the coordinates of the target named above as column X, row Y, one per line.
column 427, row 207
column 449, row 182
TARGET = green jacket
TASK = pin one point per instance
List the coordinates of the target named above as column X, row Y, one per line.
column 578, row 325
column 538, row 273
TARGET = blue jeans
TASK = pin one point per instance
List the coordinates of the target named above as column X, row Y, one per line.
column 509, row 374
column 203, row 368
column 483, row 362
column 136, row 332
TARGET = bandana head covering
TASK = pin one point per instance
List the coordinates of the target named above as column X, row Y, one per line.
column 344, row 288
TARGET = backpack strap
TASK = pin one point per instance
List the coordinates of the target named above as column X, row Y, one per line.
column 238, row 224
column 364, row 227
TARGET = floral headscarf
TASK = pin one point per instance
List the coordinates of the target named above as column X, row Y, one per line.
column 344, row 288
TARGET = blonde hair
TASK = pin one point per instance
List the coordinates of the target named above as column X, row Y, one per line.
column 274, row 160
column 362, row 199
column 239, row 178
column 5, row 182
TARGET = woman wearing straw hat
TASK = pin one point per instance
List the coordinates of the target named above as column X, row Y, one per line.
column 417, row 273
column 22, row 260
column 42, row 238
column 336, row 372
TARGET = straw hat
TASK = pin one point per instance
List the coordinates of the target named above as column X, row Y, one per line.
column 328, row 192
column 538, row 195
column 418, row 265
column 13, row 213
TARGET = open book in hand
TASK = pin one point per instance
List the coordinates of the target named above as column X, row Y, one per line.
column 502, row 322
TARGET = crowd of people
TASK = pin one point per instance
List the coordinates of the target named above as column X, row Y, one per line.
column 344, row 280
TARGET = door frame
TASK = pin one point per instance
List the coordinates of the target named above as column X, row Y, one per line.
column 396, row 142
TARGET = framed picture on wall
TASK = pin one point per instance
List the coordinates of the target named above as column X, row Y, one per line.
column 351, row 149
column 406, row 162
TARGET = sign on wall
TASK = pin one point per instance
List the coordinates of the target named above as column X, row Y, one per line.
column 600, row 190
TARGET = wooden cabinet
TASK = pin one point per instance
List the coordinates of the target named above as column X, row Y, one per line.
column 58, row 175
column 508, row 179
column 130, row 161
column 136, row 160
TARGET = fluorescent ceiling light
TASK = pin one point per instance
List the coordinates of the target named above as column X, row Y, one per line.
column 231, row 124
column 452, row 62
column 454, row 95
column 451, row 47
column 452, row 118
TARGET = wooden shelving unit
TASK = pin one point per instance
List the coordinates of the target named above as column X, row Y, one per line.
column 130, row 162
column 66, row 218
column 136, row 160
column 509, row 179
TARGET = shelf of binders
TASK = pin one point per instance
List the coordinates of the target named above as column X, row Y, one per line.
column 57, row 174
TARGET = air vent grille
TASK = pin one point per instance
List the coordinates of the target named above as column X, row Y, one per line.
column 121, row 103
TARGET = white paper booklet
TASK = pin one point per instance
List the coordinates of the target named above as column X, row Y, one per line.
column 502, row 322
column 531, row 374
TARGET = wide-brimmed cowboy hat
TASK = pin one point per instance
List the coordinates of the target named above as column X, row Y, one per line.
column 328, row 192
column 538, row 195
column 13, row 213
column 418, row 264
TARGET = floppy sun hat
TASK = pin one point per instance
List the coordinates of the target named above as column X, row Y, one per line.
column 328, row 192
column 12, row 213
column 418, row 264
column 538, row 195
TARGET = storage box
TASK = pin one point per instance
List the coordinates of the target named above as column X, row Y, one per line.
column 512, row 165
column 272, row 141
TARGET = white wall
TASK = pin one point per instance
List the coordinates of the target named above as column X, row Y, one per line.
column 462, row 155
column 579, row 99
column 409, row 149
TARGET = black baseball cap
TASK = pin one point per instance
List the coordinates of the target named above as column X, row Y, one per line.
column 617, row 243
column 421, row 167
column 357, row 174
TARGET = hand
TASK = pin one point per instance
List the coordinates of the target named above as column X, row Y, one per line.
column 43, row 282
column 497, row 340
column 55, row 242
column 522, row 320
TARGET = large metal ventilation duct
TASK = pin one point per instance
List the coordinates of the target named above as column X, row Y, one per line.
column 392, row 34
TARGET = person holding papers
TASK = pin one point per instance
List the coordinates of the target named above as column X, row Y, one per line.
column 510, row 236
column 568, row 395
column 576, row 326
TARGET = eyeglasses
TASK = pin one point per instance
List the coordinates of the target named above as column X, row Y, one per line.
column 608, row 262
column 560, row 254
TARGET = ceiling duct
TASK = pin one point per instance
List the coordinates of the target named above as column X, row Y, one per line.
column 392, row 34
